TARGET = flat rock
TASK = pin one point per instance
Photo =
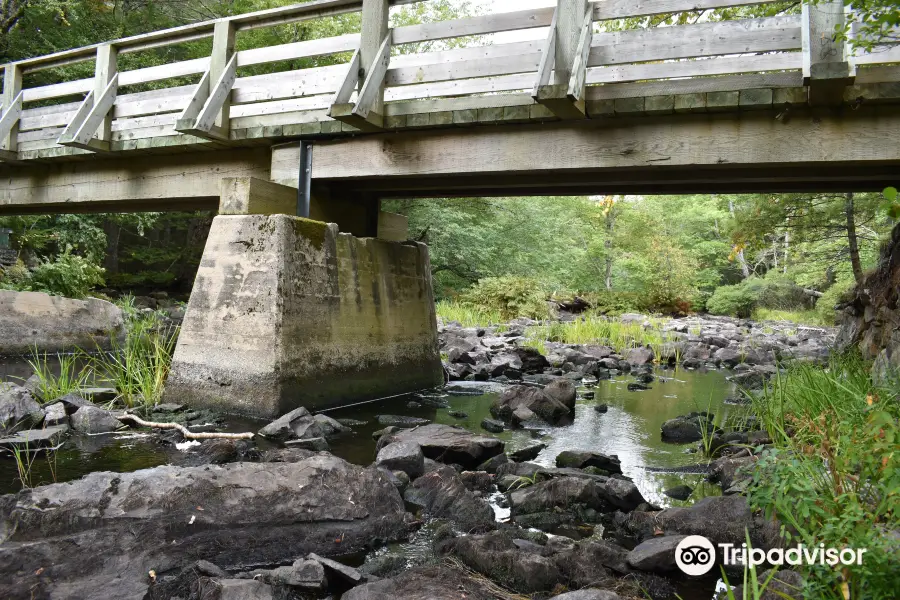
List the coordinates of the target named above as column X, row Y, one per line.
column 588, row 594
column 580, row 459
column 679, row 492
column 401, row 421
column 451, row 445
column 48, row 437
column 534, row 399
column 425, row 583
column 284, row 427
column 73, row 402
column 100, row 395
column 348, row 574
column 443, row 495
column 93, row 420
column 268, row 513
column 55, row 414
column 234, row 589
column 492, row 425
column 168, row 407
column 527, row 453
column 303, row 574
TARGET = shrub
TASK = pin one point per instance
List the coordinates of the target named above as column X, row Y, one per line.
column 831, row 297
column 69, row 275
column 616, row 303
column 510, row 296
column 732, row 300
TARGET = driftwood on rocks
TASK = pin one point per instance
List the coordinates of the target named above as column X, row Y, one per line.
column 187, row 433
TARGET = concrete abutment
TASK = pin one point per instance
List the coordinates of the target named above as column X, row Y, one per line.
column 289, row 312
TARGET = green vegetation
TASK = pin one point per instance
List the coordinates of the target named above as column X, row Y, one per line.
column 510, row 297
column 71, row 378
column 599, row 330
column 801, row 317
column 834, row 475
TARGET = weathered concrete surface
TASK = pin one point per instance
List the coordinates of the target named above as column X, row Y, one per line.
column 288, row 312
column 53, row 323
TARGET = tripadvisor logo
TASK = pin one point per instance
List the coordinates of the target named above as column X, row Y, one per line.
column 695, row 555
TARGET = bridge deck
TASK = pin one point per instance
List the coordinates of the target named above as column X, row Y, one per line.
column 224, row 100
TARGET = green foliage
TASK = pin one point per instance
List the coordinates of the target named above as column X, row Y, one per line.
column 69, row 275
column 466, row 314
column 833, row 477
column 70, row 377
column 832, row 297
column 757, row 292
column 802, row 317
column 598, row 330
column 876, row 22
column 731, row 300
column 616, row 303
column 511, row 297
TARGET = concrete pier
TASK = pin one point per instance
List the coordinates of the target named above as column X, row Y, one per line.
column 290, row 312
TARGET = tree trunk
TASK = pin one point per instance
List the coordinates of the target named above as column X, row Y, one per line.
column 608, row 245
column 745, row 268
column 852, row 241
column 113, row 233
column 787, row 248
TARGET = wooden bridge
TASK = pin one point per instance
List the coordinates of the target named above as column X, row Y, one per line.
column 761, row 104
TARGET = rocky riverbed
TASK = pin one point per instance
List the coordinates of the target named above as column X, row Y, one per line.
column 570, row 475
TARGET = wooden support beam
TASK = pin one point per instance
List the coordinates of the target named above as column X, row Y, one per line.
column 570, row 42
column 548, row 57
column 89, row 118
column 105, row 71
column 826, row 69
column 208, row 113
column 12, row 110
column 367, row 114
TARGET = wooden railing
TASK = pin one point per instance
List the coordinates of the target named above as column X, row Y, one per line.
column 568, row 71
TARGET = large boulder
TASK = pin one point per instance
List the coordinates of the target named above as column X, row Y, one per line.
column 93, row 419
column 402, row 456
column 639, row 356
column 298, row 424
column 581, row 459
column 450, row 445
column 18, row 408
column 603, row 494
column 167, row 518
column 656, row 555
column 441, row 493
column 563, row 391
column 689, row 428
column 30, row 320
column 532, row 398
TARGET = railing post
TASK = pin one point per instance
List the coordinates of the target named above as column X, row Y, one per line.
column 222, row 51
column 826, row 69
column 374, row 32
column 12, row 86
column 570, row 46
column 104, row 72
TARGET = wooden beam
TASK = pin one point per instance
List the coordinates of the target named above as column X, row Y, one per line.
column 222, row 71
column 579, row 70
column 548, row 56
column 340, row 104
column 363, row 114
column 826, row 69
column 80, row 131
column 105, row 71
column 569, row 45
column 12, row 98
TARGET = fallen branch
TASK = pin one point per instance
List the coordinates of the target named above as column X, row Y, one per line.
column 813, row 293
column 187, row 433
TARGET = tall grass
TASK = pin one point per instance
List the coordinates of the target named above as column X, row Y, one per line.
column 466, row 314
column 71, row 378
column 138, row 368
column 801, row 317
column 834, row 474
column 598, row 330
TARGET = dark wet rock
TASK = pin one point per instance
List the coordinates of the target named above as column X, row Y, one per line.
column 527, row 453
column 503, row 363
column 330, row 426
column 721, row 519
column 522, row 415
column 217, row 452
column 314, row 444
column 168, row 407
column 492, row 464
column 184, row 583
column 295, row 424
column 401, row 421
column 646, row 378
column 728, row 357
column 533, row 399
column 563, row 391
column 18, row 409
column 477, row 481
column 656, row 555
column 574, row 459
column 729, row 470
column 272, row 512
column 679, row 492
column 93, row 420
column 601, row 408
column 99, row 395
column 442, row 494
column 689, row 428
column 402, row 456
column 437, row 582
column 588, row 394
column 473, row 388
column 602, row 494
column 636, row 386
column 413, row 404
column 337, row 570
column 352, row 422
column 384, row 565
column 30, row 439
column 303, row 574
column 377, row 435
column 458, row 414
column 532, row 361
column 450, row 445
column 288, row 455
column 492, row 425
column 781, row 585
column 55, row 414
